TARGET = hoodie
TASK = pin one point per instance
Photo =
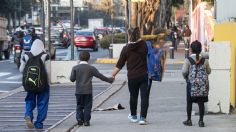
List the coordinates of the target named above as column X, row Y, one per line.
column 36, row 49
column 134, row 55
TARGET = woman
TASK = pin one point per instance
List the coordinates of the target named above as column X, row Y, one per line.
column 196, row 49
column 134, row 56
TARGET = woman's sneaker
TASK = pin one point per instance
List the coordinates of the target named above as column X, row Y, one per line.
column 133, row 118
column 142, row 121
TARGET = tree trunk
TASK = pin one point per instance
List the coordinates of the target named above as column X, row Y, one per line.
column 134, row 14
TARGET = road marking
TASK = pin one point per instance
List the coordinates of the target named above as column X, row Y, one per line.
column 4, row 73
column 11, row 82
column 14, row 77
column 3, row 91
column 61, row 52
column 2, row 61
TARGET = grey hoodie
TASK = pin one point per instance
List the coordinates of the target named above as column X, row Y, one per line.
column 187, row 64
column 36, row 49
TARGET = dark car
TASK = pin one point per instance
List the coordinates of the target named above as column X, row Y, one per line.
column 86, row 39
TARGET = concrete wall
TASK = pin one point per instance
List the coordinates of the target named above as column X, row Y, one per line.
column 225, row 9
column 61, row 70
column 117, row 50
column 226, row 32
column 219, row 94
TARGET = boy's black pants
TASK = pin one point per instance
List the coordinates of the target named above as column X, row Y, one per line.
column 84, row 106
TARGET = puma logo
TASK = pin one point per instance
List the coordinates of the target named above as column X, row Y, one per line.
column 33, row 81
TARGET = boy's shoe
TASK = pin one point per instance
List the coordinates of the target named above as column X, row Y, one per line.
column 80, row 123
column 87, row 123
column 201, row 124
column 29, row 122
column 142, row 121
column 188, row 123
column 133, row 118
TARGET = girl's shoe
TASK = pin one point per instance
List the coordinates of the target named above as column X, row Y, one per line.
column 188, row 123
column 201, row 124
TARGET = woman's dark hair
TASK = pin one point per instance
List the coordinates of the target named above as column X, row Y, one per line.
column 134, row 34
column 196, row 48
column 84, row 56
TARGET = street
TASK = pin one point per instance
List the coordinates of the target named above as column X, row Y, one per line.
column 10, row 77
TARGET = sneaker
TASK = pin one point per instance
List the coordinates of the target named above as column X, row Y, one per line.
column 142, row 121
column 133, row 118
column 201, row 124
column 188, row 123
column 29, row 123
column 87, row 123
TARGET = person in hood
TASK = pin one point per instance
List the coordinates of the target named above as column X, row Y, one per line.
column 36, row 99
column 134, row 55
column 196, row 48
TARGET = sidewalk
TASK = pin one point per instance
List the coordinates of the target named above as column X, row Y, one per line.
column 167, row 111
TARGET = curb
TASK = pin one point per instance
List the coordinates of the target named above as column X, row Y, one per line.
column 69, row 123
column 107, row 60
column 178, row 62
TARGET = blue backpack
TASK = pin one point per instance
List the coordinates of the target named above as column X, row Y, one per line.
column 154, row 62
column 27, row 42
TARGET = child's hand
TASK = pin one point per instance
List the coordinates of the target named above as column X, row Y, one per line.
column 111, row 80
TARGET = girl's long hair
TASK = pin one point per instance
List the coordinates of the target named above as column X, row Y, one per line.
column 196, row 48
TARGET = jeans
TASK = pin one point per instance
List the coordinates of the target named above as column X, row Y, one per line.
column 136, row 84
column 84, row 106
column 41, row 100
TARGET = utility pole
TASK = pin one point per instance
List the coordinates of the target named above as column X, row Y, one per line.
column 72, row 28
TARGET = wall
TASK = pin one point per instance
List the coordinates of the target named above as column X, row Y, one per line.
column 61, row 70
column 226, row 32
column 117, row 49
column 225, row 9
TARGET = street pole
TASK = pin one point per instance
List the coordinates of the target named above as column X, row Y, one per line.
column 20, row 13
column 72, row 28
column 42, row 20
column 112, row 22
column 49, row 28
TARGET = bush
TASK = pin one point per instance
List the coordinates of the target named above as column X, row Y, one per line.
column 106, row 40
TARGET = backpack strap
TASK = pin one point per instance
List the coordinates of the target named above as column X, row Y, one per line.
column 149, row 46
column 191, row 60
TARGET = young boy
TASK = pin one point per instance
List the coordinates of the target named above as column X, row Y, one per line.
column 83, row 75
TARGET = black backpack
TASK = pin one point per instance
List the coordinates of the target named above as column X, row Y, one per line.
column 34, row 74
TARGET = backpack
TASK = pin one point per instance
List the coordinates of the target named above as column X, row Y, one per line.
column 34, row 74
column 154, row 62
column 27, row 42
column 198, row 78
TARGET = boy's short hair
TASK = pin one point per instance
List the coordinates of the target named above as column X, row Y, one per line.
column 84, row 56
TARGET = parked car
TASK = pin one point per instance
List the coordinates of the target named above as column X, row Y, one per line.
column 101, row 32
column 86, row 39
